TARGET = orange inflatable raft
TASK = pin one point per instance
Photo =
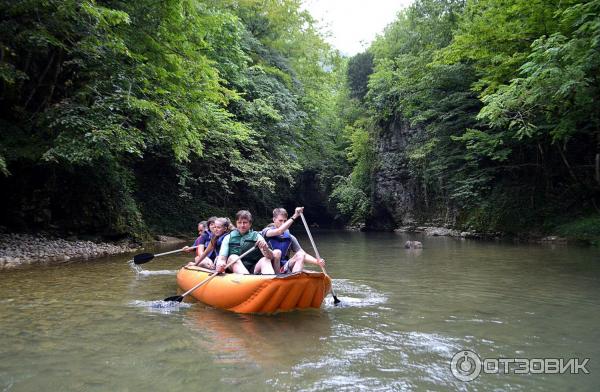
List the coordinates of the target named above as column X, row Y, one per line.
column 256, row 293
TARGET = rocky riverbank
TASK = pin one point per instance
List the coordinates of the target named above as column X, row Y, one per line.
column 443, row 231
column 435, row 231
column 19, row 249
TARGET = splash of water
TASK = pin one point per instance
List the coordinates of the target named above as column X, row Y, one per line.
column 159, row 306
column 135, row 267
column 158, row 272
column 356, row 295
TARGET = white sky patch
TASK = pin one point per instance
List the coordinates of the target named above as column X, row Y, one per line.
column 354, row 24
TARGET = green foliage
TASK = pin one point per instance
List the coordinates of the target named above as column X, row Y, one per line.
column 359, row 69
column 555, row 97
column 496, row 36
column 493, row 106
column 349, row 183
column 546, row 120
column 350, row 193
column 230, row 98
column 435, row 99
column 155, row 112
column 350, row 200
column 586, row 228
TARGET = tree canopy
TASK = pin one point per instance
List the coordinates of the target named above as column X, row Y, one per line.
column 501, row 100
column 127, row 117
column 150, row 107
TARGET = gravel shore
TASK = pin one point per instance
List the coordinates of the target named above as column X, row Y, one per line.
column 18, row 249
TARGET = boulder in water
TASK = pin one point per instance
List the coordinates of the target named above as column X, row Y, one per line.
column 413, row 245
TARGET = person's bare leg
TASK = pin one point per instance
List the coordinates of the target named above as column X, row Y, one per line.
column 276, row 260
column 297, row 262
column 237, row 267
column 207, row 263
column 264, row 266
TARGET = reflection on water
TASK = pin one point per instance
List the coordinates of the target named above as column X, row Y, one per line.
column 260, row 341
column 100, row 325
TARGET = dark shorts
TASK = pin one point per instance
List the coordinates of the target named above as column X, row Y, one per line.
column 250, row 265
column 284, row 267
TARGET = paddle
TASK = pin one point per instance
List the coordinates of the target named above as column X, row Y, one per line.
column 179, row 298
column 146, row 257
column 335, row 298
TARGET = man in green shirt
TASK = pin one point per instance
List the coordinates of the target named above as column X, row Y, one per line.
column 241, row 240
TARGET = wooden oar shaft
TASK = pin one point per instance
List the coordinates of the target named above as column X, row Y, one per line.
column 217, row 272
column 310, row 236
column 317, row 254
column 175, row 251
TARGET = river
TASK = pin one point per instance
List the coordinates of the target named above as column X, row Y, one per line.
column 98, row 326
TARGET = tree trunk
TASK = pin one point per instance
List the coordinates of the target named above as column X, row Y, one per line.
column 566, row 162
column 40, row 79
column 57, row 69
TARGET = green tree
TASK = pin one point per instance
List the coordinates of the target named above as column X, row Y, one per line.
column 181, row 89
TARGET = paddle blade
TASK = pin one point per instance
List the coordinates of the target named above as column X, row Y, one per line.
column 336, row 300
column 142, row 258
column 174, row 298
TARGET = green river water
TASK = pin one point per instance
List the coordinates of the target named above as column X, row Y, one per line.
column 97, row 325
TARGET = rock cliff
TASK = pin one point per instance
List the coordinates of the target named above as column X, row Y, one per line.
column 394, row 189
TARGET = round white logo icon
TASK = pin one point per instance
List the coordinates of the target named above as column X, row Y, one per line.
column 465, row 365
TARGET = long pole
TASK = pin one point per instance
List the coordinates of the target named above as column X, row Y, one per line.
column 335, row 298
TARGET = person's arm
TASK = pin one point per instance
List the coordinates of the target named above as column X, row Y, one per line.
column 199, row 251
column 264, row 247
column 221, row 261
column 201, row 248
column 209, row 248
column 188, row 249
column 198, row 259
column 295, row 244
column 286, row 225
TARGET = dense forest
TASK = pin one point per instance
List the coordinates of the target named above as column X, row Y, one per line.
column 122, row 117
column 127, row 118
column 480, row 115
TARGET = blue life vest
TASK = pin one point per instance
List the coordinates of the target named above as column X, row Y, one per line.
column 205, row 239
column 199, row 240
column 215, row 251
column 207, row 236
column 281, row 242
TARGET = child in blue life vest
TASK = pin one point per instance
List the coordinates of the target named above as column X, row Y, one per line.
column 282, row 242
column 211, row 244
